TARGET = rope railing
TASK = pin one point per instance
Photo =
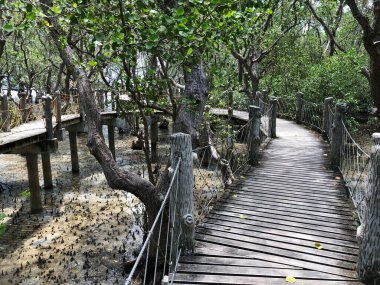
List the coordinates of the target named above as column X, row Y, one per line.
column 354, row 166
column 287, row 107
column 312, row 114
column 161, row 247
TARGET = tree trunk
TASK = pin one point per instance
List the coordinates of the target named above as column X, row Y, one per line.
column 375, row 82
column 191, row 108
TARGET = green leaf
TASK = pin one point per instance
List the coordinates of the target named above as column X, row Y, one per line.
column 31, row 16
column 189, row 52
column 93, row 63
column 8, row 28
column 180, row 11
column 242, row 216
column 56, row 9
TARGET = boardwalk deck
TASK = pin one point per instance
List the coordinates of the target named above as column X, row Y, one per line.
column 35, row 131
column 267, row 225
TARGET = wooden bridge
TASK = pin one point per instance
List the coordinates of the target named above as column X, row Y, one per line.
column 288, row 220
column 41, row 135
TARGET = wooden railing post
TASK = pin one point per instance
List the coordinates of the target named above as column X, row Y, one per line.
column 326, row 114
column 48, row 117
column 5, row 113
column 369, row 254
column 22, row 104
column 59, row 112
column 299, row 107
column 181, row 198
column 230, row 125
column 337, row 135
column 254, row 134
column 272, row 119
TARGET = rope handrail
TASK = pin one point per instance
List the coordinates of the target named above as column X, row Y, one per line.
column 148, row 240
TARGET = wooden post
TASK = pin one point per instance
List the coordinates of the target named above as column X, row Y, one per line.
column 5, row 113
column 326, row 114
column 48, row 117
column 46, row 170
column 59, row 131
column 59, row 112
column 299, row 107
column 369, row 253
column 259, row 100
column 34, row 184
column 181, row 196
column 254, row 134
column 22, row 107
column 337, row 135
column 111, row 139
column 74, row 152
column 154, row 137
column 230, row 126
column 272, row 119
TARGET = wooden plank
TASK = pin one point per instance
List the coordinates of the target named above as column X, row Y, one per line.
column 240, row 261
column 284, row 225
column 291, row 208
column 279, row 248
column 279, row 236
column 256, row 271
column 194, row 279
column 334, row 243
column 268, row 213
column 293, row 200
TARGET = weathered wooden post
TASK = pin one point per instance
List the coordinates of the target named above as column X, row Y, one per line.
column 181, row 196
column 59, row 131
column 299, row 107
column 34, row 184
column 48, row 117
column 230, row 126
column 272, row 119
column 337, row 135
column 254, row 134
column 111, row 138
column 74, row 152
column 326, row 115
column 45, row 156
column 5, row 120
column 22, row 106
column 369, row 254
column 154, row 137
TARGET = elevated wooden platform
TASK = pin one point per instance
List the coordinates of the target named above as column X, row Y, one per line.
column 289, row 217
column 34, row 131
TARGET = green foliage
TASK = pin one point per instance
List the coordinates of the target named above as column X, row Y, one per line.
column 25, row 194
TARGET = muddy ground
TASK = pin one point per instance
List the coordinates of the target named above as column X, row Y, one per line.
column 86, row 231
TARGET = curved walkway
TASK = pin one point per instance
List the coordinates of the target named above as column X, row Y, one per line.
column 289, row 219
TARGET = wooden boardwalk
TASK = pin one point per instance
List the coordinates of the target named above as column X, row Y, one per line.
column 289, row 217
column 35, row 131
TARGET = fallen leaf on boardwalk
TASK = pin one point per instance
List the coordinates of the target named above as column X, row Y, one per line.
column 318, row 245
column 234, row 196
column 338, row 178
column 290, row 279
column 245, row 188
column 242, row 216
column 227, row 228
column 242, row 177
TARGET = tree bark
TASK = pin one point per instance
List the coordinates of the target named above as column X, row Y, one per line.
column 191, row 108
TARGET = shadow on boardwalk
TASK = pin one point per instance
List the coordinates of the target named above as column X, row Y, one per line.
column 289, row 218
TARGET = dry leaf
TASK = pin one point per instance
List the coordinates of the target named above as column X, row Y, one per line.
column 242, row 216
column 290, row 279
column 318, row 245
column 227, row 228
